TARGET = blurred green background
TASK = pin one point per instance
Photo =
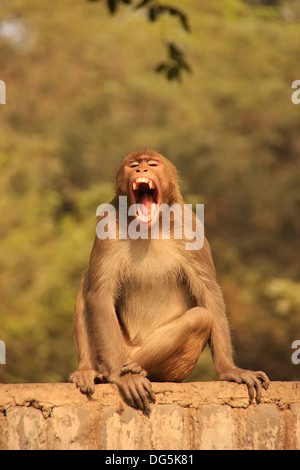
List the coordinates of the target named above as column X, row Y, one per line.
column 81, row 93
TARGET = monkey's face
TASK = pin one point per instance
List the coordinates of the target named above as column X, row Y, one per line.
column 147, row 181
column 144, row 187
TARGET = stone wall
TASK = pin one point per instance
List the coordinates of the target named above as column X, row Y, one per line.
column 188, row 416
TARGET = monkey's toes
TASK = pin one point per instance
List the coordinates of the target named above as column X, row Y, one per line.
column 133, row 367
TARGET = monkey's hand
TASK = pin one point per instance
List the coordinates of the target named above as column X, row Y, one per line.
column 85, row 379
column 136, row 390
column 254, row 380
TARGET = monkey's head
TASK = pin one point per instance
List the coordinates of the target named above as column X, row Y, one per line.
column 148, row 179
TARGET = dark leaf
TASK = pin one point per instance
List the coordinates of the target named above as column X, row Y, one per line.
column 112, row 5
column 173, row 11
column 184, row 22
column 163, row 66
column 128, row 2
column 185, row 66
column 174, row 52
column 153, row 13
column 182, row 17
column 173, row 73
column 142, row 4
column 178, row 58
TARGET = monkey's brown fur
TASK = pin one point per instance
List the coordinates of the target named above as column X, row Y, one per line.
column 146, row 308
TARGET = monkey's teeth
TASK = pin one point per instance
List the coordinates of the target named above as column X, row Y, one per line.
column 143, row 179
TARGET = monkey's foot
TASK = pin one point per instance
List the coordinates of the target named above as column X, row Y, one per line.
column 85, row 379
column 133, row 367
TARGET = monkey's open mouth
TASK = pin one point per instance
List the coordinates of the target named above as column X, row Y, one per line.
column 145, row 197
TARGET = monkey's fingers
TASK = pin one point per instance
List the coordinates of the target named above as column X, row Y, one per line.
column 136, row 391
column 129, row 392
column 146, row 394
column 264, row 378
column 254, row 381
column 127, row 396
column 84, row 380
column 140, row 397
column 144, row 397
column 148, row 387
column 133, row 367
column 253, row 384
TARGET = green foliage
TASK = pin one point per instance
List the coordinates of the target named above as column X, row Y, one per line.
column 286, row 296
column 81, row 95
column 177, row 64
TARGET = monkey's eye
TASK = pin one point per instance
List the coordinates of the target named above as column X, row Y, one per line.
column 133, row 164
column 153, row 162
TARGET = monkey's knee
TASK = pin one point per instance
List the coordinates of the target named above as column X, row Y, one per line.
column 199, row 323
column 180, row 364
column 194, row 337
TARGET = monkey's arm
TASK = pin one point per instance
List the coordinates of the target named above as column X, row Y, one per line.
column 220, row 343
column 111, row 352
column 208, row 294
column 107, row 337
column 86, row 374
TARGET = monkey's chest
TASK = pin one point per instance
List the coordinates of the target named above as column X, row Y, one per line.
column 152, row 290
column 146, row 304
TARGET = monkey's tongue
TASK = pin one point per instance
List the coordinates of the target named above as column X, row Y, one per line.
column 146, row 200
column 144, row 206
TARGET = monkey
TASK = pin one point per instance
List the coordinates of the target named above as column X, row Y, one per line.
column 147, row 307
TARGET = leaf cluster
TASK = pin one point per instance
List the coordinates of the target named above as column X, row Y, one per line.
column 176, row 63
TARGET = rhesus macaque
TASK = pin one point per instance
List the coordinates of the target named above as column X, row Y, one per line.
column 146, row 308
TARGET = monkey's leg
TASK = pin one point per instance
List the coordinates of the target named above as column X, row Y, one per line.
column 84, row 377
column 170, row 353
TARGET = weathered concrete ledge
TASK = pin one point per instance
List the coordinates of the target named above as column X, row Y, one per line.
column 188, row 416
